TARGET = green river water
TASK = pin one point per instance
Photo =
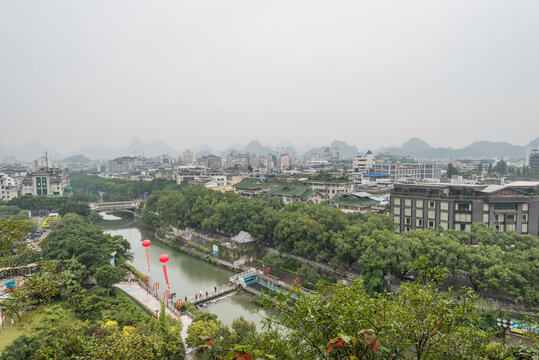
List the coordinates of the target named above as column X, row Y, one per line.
column 187, row 275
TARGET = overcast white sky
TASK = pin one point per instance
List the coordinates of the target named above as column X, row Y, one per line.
column 220, row 72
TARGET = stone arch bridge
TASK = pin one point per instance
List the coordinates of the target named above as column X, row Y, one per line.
column 128, row 206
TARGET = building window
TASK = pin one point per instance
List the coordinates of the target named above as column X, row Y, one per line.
column 524, row 228
column 499, row 217
column 431, row 214
column 397, row 201
column 485, row 207
column 419, row 223
column 407, row 212
column 397, row 210
column 463, row 207
column 485, row 218
column 419, row 204
column 419, row 213
column 407, row 202
column 443, row 225
column 462, row 227
column 524, row 218
column 511, row 218
column 396, row 219
column 408, row 221
column 432, row 204
column 431, row 224
column 463, row 217
column 510, row 227
column 444, row 205
column 524, row 207
column 444, row 216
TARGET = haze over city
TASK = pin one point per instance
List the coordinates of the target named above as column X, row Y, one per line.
column 368, row 73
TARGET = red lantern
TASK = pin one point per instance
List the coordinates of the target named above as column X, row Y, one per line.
column 164, row 259
column 146, row 243
column 179, row 306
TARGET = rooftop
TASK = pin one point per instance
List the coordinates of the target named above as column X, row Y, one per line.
column 353, row 200
column 243, row 237
column 252, row 184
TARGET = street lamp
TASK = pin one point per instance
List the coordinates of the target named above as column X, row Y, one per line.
column 504, row 324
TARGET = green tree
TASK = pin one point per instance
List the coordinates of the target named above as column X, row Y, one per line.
column 108, row 275
column 452, row 170
column 419, row 322
column 373, row 278
column 22, row 348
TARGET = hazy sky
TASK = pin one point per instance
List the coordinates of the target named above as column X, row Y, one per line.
column 220, row 72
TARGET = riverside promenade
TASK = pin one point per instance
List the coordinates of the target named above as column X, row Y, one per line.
column 148, row 300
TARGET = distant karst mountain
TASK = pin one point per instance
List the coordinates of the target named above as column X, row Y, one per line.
column 77, row 159
column 414, row 147
column 420, row 149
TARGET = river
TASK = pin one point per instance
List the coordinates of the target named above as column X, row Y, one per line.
column 187, row 275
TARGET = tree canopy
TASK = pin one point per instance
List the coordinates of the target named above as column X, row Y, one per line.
column 494, row 264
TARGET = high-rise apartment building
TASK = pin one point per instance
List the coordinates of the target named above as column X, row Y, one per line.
column 514, row 206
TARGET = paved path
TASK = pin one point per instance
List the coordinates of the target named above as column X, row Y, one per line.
column 134, row 290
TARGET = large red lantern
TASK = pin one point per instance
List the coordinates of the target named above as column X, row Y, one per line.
column 146, row 243
column 164, row 259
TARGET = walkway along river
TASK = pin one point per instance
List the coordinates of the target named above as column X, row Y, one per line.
column 187, row 275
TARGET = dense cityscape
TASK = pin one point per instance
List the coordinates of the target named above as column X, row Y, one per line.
column 278, row 220
column 279, row 180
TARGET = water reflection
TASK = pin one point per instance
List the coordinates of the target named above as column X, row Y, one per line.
column 109, row 216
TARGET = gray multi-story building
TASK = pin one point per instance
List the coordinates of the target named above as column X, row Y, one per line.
column 124, row 164
column 397, row 171
column 514, row 206
column 534, row 161
column 209, row 161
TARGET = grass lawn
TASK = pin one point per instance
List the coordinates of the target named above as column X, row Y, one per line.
column 11, row 332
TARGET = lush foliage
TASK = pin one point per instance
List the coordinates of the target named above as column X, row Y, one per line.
column 344, row 322
column 13, row 248
column 113, row 189
column 81, row 323
column 494, row 264
column 57, row 336
column 73, row 238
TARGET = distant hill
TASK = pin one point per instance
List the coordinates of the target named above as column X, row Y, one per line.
column 255, row 147
column 28, row 152
column 149, row 149
column 346, row 151
column 77, row 159
column 414, row 147
column 535, row 142
column 420, row 149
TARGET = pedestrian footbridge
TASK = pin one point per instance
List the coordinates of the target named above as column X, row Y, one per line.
column 252, row 281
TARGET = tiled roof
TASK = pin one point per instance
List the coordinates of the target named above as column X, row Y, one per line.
column 353, row 200
column 252, row 183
